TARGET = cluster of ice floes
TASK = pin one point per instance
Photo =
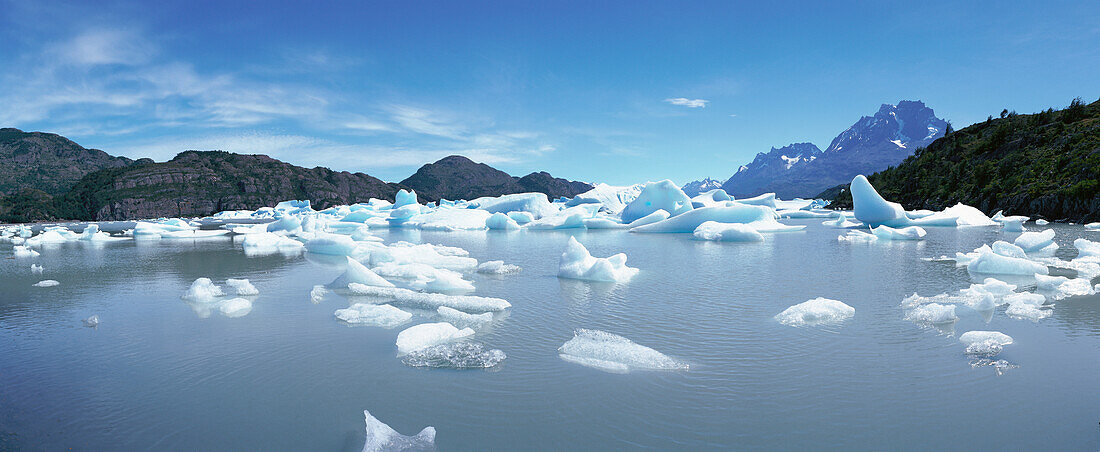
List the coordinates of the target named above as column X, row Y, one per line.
column 816, row 312
column 205, row 297
column 613, row 353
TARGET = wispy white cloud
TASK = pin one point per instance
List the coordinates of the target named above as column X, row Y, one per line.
column 685, row 102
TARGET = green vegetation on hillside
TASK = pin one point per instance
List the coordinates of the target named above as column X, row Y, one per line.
column 1044, row 164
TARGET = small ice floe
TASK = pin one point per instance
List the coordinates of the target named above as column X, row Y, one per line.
column 577, row 263
column 445, row 282
column 332, row 244
column 1087, row 249
column 1013, row 223
column 842, row 221
column 1042, row 222
column 23, row 251
column 235, row 307
column 932, row 314
column 1026, row 306
column 203, row 290
column 497, row 268
column 816, row 312
column 265, row 243
column 1093, row 226
column 989, row 262
column 382, row 315
column 46, row 283
column 317, row 294
column 459, row 318
column 501, row 222
column 382, row 438
column 424, row 335
column 458, row 355
column 1075, row 287
column 91, row 322
column 907, row 233
column 984, row 343
column 467, row 303
column 727, row 232
column 242, row 286
column 37, row 269
column 613, row 353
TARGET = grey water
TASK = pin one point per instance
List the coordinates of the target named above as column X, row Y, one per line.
column 158, row 374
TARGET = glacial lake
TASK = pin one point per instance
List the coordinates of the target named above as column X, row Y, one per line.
column 158, row 373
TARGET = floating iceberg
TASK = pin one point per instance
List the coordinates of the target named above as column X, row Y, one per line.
column 521, row 217
column 1013, row 223
column 656, row 216
column 613, row 353
column 446, row 282
column 404, row 198
column 91, row 322
column 497, row 268
column 358, row 273
column 909, row 233
column 23, row 251
column 710, row 198
column 46, row 283
column 536, row 204
column 1026, row 306
column 332, row 244
column 382, row 315
column 242, row 286
column 265, row 243
column 612, row 199
column 204, row 291
column 663, row 195
column 989, row 262
column 1087, row 249
column 428, row 334
column 236, row 307
column 37, row 269
column 502, row 222
column 815, row 312
column 456, row 317
column 468, row 303
column 407, row 253
column 932, row 313
column 870, row 207
column 458, row 355
column 727, row 232
column 987, row 343
column 317, row 294
column 760, row 218
column 1093, row 226
column 857, row 237
column 1042, row 222
column 577, row 263
column 766, row 200
column 382, row 438
column 1036, row 242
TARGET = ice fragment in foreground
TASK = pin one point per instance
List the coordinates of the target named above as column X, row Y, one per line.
column 932, row 313
column 423, row 335
column 986, row 343
column 1032, row 242
column 382, row 438
column 91, row 322
column 317, row 294
column 908, row 233
column 613, row 353
column 497, row 268
column 459, row 318
column 23, row 251
column 815, row 312
column 989, row 262
column 46, row 283
column 37, row 269
column 577, row 263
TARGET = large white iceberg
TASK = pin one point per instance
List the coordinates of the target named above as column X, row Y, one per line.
column 663, row 195
column 870, row 207
column 816, row 311
column 613, row 353
column 760, row 218
column 577, row 263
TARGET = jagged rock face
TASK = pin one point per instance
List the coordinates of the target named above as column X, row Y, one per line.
column 871, row 144
column 202, row 183
column 693, row 188
column 751, row 179
column 457, row 177
column 47, row 162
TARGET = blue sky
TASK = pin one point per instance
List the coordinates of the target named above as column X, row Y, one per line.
column 616, row 92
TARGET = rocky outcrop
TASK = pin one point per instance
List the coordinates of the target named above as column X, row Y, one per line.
column 457, row 177
column 202, row 183
column 47, row 162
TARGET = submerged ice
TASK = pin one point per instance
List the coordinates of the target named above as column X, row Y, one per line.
column 613, row 353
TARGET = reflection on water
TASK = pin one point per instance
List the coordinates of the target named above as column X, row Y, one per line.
column 161, row 372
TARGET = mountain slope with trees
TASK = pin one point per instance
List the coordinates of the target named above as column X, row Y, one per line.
column 1045, row 164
